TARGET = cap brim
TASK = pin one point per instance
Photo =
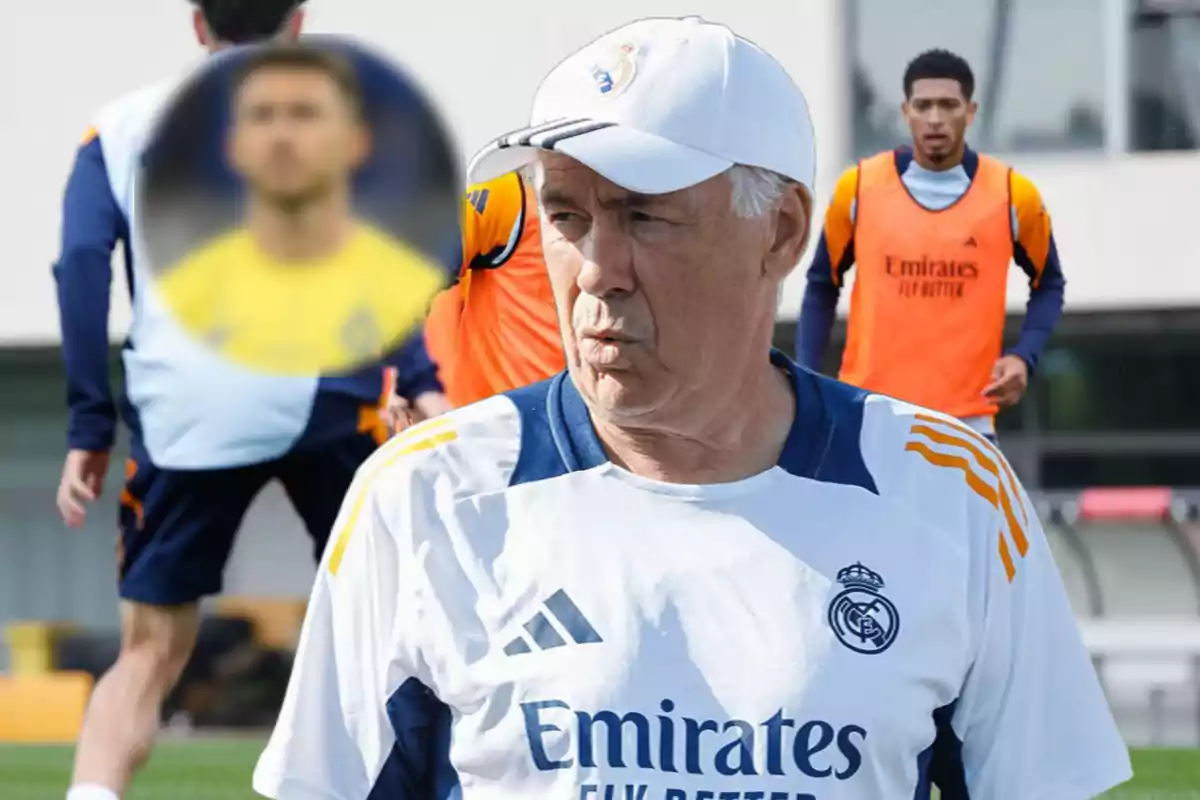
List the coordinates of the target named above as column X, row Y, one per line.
column 634, row 160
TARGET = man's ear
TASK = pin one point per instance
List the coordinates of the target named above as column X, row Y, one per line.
column 364, row 141
column 200, row 27
column 806, row 203
column 294, row 25
column 791, row 230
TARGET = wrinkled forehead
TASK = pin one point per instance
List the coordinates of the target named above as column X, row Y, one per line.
column 554, row 171
column 559, row 178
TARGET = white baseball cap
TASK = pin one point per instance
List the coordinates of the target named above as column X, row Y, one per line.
column 663, row 104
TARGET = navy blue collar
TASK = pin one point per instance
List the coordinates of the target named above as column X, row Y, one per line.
column 804, row 451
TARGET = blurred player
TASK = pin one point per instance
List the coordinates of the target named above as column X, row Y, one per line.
column 302, row 286
column 933, row 228
column 496, row 330
column 205, row 436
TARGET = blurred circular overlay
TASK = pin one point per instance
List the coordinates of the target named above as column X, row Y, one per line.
column 298, row 206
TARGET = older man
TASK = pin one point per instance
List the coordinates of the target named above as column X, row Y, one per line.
column 686, row 569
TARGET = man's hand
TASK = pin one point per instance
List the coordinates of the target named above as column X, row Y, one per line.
column 82, row 481
column 399, row 414
column 432, row 404
column 1010, row 379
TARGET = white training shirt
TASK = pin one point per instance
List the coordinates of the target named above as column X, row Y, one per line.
column 196, row 409
column 503, row 614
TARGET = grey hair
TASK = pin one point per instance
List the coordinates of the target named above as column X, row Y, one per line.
column 754, row 190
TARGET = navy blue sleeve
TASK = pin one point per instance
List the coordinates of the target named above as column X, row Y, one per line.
column 416, row 373
column 92, row 224
column 819, row 308
column 1046, row 293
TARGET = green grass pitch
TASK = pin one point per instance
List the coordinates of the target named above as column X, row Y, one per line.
column 220, row 770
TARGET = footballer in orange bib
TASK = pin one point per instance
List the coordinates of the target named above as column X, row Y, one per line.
column 933, row 229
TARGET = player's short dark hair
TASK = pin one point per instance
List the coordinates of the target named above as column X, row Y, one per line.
column 939, row 64
column 242, row 21
column 306, row 57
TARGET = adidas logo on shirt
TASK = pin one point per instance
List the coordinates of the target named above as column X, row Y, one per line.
column 478, row 199
column 559, row 620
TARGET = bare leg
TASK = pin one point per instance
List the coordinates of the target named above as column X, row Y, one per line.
column 123, row 715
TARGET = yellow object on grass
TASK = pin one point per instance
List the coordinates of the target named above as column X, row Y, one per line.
column 31, row 646
column 43, row 709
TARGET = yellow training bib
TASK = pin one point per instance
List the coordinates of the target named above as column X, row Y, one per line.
column 323, row 316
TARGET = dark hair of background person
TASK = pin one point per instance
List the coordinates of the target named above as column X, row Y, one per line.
column 305, row 58
column 939, row 64
column 242, row 21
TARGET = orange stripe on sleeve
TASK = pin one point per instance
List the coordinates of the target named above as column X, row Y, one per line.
column 1002, row 494
column 1010, row 569
column 998, row 498
column 839, row 221
column 1033, row 222
column 977, row 484
column 987, row 446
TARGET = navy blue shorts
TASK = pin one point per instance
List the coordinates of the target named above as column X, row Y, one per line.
column 177, row 527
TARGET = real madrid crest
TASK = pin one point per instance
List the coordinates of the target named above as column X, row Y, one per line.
column 860, row 616
column 613, row 78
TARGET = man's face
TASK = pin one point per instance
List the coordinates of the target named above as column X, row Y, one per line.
column 938, row 115
column 655, row 293
column 295, row 136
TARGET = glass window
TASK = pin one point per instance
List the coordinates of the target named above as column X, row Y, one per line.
column 1039, row 69
column 1164, row 75
column 1083, row 470
column 1011, row 420
column 1121, row 383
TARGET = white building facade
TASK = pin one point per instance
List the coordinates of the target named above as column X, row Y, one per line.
column 1097, row 100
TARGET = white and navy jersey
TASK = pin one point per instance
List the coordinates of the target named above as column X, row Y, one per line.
column 505, row 614
column 188, row 407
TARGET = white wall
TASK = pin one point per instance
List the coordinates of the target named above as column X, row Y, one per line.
column 481, row 60
column 1127, row 228
column 1124, row 229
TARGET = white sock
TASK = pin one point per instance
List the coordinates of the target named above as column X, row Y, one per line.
column 90, row 791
